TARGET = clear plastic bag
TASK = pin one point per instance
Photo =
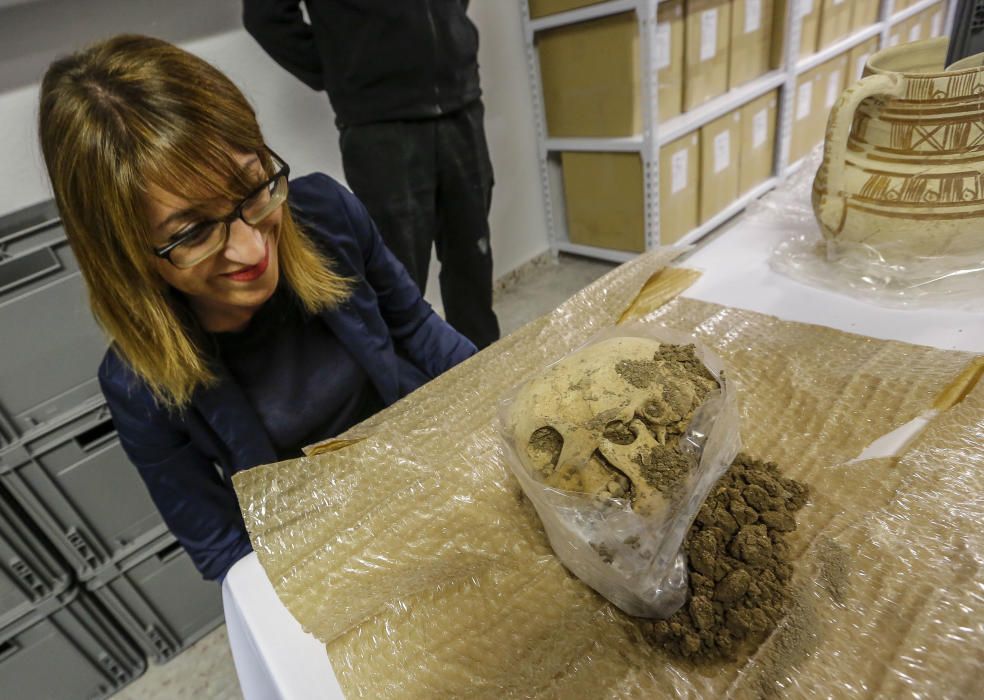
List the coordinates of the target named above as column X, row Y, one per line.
column 630, row 556
column 887, row 274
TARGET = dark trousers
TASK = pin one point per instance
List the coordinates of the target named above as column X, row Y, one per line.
column 430, row 181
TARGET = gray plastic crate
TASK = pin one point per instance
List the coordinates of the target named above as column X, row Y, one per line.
column 29, row 571
column 67, row 650
column 51, row 344
column 160, row 599
column 78, row 485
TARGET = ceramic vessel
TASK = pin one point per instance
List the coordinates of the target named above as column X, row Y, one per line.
column 903, row 162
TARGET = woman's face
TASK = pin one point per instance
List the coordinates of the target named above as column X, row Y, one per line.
column 226, row 289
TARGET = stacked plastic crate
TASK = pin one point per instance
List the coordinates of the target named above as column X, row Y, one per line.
column 94, row 581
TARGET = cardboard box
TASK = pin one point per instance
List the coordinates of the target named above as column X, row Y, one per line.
column 756, row 160
column 931, row 21
column 835, row 22
column 604, row 200
column 920, row 26
column 858, row 59
column 778, row 54
column 864, row 13
column 708, row 37
column 810, row 28
column 835, row 77
column 605, row 197
column 895, row 34
column 751, row 40
column 828, row 82
column 719, row 153
column 591, row 78
column 914, row 30
column 808, row 125
column 937, row 16
column 670, row 31
column 679, row 188
column 802, row 108
column 542, row 8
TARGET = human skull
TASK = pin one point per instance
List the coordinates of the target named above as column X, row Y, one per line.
column 598, row 421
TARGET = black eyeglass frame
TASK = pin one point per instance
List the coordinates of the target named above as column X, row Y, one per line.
column 164, row 251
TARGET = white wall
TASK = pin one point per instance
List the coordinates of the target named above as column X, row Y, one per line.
column 519, row 219
column 297, row 121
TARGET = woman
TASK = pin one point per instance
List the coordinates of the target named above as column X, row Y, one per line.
column 241, row 329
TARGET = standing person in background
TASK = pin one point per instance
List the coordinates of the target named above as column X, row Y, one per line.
column 402, row 77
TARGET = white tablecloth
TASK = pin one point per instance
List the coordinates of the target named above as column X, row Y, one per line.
column 276, row 659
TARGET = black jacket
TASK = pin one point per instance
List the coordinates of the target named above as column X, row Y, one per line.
column 378, row 60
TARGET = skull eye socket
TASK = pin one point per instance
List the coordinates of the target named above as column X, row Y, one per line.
column 545, row 446
column 618, row 432
column 653, row 409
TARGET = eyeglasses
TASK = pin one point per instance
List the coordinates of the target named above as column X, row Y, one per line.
column 202, row 240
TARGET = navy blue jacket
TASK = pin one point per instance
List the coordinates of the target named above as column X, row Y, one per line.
column 385, row 324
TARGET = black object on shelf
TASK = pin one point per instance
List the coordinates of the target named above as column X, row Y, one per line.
column 967, row 32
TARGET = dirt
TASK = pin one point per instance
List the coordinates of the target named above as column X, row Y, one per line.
column 677, row 383
column 665, row 468
column 680, row 383
column 547, row 441
column 739, row 566
column 641, row 374
column 833, row 562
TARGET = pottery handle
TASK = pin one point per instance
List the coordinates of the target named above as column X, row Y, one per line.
column 828, row 189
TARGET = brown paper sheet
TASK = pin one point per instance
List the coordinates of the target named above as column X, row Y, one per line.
column 412, row 554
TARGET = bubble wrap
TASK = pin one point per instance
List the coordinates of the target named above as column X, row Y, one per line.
column 412, row 554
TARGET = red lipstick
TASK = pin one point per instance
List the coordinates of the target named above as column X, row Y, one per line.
column 248, row 274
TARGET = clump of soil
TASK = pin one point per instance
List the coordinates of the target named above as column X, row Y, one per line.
column 642, row 373
column 739, row 567
column 665, row 467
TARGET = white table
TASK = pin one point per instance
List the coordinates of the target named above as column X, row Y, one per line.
column 276, row 659
column 737, row 273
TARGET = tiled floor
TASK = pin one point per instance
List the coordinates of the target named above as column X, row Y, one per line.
column 542, row 288
column 202, row 672
column 205, row 671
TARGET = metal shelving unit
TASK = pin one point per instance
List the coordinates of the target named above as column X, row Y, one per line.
column 648, row 143
column 613, row 7
column 722, row 216
column 835, row 50
column 719, row 106
column 908, row 12
column 630, row 144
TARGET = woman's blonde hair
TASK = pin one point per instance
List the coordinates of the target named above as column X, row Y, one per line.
column 124, row 115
